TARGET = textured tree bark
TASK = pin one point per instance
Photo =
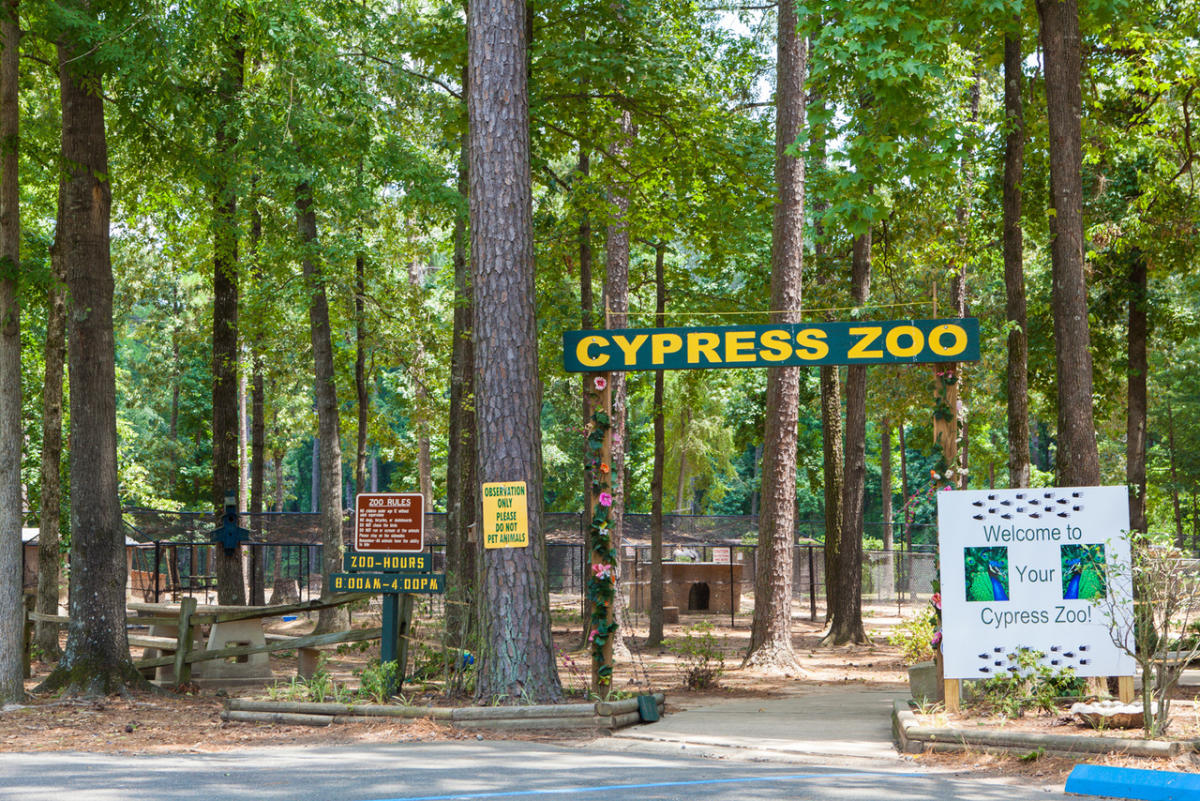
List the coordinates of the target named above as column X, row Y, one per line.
column 1014, row 266
column 361, row 390
column 12, row 609
column 49, row 558
column 616, row 308
column 96, row 659
column 771, row 630
column 226, row 474
column 328, row 426
column 845, row 620
column 1135, row 418
column 655, row 637
column 461, row 492
column 517, row 663
column 1078, row 460
column 284, row 589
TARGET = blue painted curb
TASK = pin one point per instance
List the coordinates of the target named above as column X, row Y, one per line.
column 1146, row 785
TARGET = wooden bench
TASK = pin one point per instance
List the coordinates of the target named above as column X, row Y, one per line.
column 174, row 642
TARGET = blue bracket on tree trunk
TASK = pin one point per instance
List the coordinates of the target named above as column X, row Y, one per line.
column 229, row 534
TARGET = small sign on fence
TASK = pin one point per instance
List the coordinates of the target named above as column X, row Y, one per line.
column 721, row 556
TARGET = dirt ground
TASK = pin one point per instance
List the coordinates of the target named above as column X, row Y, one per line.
column 167, row 721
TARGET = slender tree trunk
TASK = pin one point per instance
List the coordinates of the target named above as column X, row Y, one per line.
column 328, row 425
column 420, row 421
column 586, row 305
column 49, row 557
column 771, row 631
column 845, row 624
column 226, row 473
column 258, row 425
column 655, row 638
column 96, row 660
column 887, row 583
column 1135, row 431
column 360, row 356
column 1077, row 455
column 314, row 494
column 1014, row 265
column 517, row 663
column 461, row 494
column 12, row 609
column 831, row 407
column 284, row 589
column 616, row 308
column 685, row 420
column 1174, row 477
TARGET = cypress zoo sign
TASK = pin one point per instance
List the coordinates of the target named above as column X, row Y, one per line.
column 1037, row 569
column 782, row 345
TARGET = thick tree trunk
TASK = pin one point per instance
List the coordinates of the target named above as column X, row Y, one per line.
column 616, row 308
column 771, row 630
column 517, row 663
column 328, row 426
column 1014, row 265
column 96, row 660
column 12, row 609
column 845, row 620
column 226, row 474
column 461, row 493
column 49, row 558
column 655, row 637
column 1135, row 430
column 1077, row 455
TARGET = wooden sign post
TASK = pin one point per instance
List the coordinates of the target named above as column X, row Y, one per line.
column 389, row 558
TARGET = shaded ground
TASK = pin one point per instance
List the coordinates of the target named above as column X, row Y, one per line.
column 189, row 722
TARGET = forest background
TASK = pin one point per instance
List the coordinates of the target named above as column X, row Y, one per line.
column 260, row 154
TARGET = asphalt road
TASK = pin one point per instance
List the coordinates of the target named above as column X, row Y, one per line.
column 476, row 770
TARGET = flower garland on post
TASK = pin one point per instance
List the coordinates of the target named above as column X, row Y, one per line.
column 602, row 578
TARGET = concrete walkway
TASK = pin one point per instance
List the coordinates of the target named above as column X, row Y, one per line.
column 844, row 721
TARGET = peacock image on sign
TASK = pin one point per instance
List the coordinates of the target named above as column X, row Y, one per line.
column 986, row 573
column 1083, row 572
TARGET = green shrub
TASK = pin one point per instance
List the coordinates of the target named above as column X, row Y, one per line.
column 914, row 636
column 702, row 662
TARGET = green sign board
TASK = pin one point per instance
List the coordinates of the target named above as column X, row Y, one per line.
column 781, row 345
column 357, row 560
column 387, row 582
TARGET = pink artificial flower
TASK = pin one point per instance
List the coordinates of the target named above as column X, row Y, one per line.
column 937, row 638
column 936, row 600
column 606, row 499
column 600, row 383
column 592, row 635
column 601, row 571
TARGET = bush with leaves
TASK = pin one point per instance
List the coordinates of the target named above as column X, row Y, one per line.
column 1032, row 684
column 914, row 636
column 702, row 661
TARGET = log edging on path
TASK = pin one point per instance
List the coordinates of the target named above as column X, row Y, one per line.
column 598, row 715
column 912, row 738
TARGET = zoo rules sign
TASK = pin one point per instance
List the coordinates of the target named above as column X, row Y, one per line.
column 1035, row 569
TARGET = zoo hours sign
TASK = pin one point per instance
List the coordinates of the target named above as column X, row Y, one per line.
column 1036, row 569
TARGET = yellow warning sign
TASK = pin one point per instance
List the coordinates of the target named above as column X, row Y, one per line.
column 505, row 515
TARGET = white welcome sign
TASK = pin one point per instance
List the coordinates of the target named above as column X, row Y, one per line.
column 1035, row 569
